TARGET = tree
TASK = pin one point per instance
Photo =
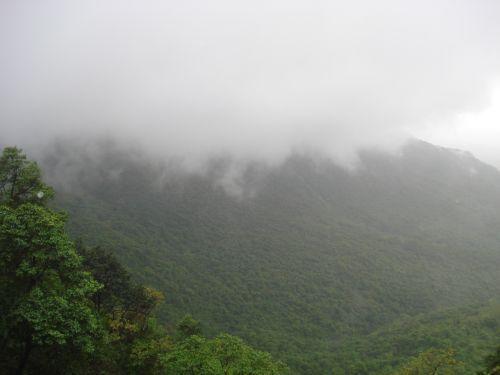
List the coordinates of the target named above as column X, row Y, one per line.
column 134, row 340
column 188, row 326
column 44, row 292
column 224, row 354
column 431, row 362
column 492, row 363
column 108, row 271
column 20, row 180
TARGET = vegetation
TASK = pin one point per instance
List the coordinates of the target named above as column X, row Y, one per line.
column 307, row 264
column 492, row 364
column 307, row 261
column 432, row 362
column 44, row 291
column 471, row 332
column 224, row 354
column 20, row 180
column 73, row 309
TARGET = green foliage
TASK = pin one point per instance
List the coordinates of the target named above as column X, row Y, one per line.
column 146, row 355
column 307, row 261
column 472, row 331
column 133, row 340
column 492, row 364
column 224, row 354
column 20, row 180
column 106, row 269
column 188, row 326
column 135, row 343
column 431, row 362
column 43, row 288
column 62, row 312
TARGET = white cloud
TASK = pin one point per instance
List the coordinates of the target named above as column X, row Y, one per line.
column 478, row 132
column 252, row 79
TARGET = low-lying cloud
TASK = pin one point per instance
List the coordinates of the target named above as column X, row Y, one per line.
column 255, row 79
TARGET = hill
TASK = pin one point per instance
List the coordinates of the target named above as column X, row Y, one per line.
column 298, row 257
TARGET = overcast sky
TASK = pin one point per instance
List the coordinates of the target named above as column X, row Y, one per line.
column 252, row 78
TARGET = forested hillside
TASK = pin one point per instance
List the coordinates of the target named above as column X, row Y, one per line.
column 72, row 309
column 320, row 265
column 469, row 332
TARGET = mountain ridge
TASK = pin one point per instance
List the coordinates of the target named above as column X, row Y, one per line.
column 314, row 253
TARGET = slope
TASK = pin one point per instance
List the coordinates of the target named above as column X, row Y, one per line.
column 303, row 254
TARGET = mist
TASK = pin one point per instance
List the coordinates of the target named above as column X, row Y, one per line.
column 252, row 80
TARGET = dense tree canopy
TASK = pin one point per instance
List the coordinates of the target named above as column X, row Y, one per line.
column 432, row 362
column 224, row 354
column 327, row 270
column 492, row 363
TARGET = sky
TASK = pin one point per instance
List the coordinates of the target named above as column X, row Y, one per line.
column 252, row 79
column 478, row 131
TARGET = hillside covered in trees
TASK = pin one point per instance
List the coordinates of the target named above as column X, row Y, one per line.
column 307, row 260
column 250, row 187
column 71, row 309
column 331, row 271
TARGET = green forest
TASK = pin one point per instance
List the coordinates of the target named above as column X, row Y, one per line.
column 305, row 269
column 71, row 309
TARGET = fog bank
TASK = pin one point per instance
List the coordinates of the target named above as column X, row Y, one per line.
column 254, row 80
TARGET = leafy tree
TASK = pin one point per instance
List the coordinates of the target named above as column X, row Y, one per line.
column 108, row 271
column 43, row 288
column 147, row 352
column 134, row 339
column 120, row 298
column 492, row 363
column 431, row 362
column 224, row 354
column 44, row 292
column 20, row 180
column 188, row 326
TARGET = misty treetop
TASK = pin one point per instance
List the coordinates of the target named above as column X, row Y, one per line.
column 20, row 180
